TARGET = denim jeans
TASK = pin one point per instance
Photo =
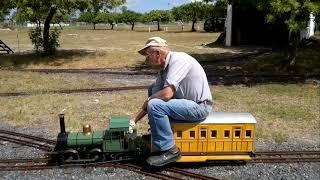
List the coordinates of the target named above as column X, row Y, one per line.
column 161, row 112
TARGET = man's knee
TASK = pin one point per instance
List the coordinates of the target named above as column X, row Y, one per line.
column 154, row 104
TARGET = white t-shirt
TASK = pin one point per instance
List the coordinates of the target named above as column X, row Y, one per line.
column 186, row 75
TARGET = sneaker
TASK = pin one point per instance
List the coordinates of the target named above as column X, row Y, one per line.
column 164, row 158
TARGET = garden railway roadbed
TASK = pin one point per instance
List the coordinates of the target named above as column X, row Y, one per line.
column 297, row 170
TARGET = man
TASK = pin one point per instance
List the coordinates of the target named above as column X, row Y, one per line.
column 181, row 93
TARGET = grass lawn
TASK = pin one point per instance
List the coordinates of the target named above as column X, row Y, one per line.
column 282, row 110
column 98, row 48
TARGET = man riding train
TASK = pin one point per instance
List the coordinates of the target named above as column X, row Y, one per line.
column 181, row 92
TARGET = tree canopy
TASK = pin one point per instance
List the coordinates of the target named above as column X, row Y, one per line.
column 193, row 12
column 130, row 17
column 295, row 14
column 42, row 11
column 92, row 8
column 158, row 16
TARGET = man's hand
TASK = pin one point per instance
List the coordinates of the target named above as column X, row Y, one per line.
column 132, row 124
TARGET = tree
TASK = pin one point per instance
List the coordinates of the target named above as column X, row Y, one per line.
column 191, row 12
column 130, row 17
column 295, row 14
column 42, row 11
column 94, row 7
column 89, row 17
column 158, row 16
column 5, row 7
column 110, row 18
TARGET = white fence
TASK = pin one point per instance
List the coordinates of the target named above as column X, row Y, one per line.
column 52, row 25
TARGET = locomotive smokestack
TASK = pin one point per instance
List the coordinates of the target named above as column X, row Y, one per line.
column 62, row 125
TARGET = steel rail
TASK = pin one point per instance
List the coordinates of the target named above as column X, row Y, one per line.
column 139, row 169
column 119, row 71
column 32, row 164
column 24, row 160
column 275, row 153
column 30, row 143
column 191, row 174
column 28, row 136
column 69, row 91
column 285, row 157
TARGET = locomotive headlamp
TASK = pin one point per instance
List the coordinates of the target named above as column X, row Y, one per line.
column 86, row 129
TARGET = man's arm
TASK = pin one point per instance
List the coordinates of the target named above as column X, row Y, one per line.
column 164, row 94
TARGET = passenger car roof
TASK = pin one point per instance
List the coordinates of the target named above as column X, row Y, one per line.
column 229, row 118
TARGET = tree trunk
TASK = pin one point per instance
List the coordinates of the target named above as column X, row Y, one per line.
column 290, row 62
column 293, row 49
column 112, row 26
column 158, row 25
column 132, row 26
column 46, row 30
column 94, row 26
column 193, row 29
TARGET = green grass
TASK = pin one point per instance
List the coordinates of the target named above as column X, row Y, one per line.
column 97, row 48
column 293, row 113
column 281, row 110
column 39, row 111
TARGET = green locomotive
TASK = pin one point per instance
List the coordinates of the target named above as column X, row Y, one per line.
column 113, row 144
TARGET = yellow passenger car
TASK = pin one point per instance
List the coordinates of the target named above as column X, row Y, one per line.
column 222, row 136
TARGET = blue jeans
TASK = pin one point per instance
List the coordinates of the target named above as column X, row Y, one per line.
column 161, row 112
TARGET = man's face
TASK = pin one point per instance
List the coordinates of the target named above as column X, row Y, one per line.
column 153, row 57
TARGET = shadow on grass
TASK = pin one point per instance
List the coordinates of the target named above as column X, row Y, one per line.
column 31, row 57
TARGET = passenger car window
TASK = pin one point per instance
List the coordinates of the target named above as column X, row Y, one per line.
column 179, row 134
column 237, row 133
column 203, row 133
column 248, row 133
column 192, row 134
column 214, row 133
column 226, row 133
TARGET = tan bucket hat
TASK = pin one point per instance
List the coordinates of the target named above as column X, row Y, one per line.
column 153, row 42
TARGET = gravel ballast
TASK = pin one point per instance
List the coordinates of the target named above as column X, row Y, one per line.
column 248, row 171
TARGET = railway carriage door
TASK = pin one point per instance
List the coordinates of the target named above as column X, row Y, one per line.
column 203, row 139
column 237, row 138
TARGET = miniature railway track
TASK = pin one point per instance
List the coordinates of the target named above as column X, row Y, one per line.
column 42, row 163
column 161, row 173
column 249, row 79
column 119, row 71
column 213, row 79
column 175, row 173
column 286, row 157
column 27, row 140
column 24, row 164
column 191, row 174
column 69, row 91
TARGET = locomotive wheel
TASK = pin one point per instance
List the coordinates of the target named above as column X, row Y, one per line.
column 71, row 154
column 118, row 156
column 96, row 154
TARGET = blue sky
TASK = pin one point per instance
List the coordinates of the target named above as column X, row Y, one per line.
column 148, row 5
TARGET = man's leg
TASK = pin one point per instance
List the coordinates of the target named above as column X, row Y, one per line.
column 160, row 111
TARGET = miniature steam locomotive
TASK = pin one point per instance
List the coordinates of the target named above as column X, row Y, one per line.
column 115, row 143
column 222, row 136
